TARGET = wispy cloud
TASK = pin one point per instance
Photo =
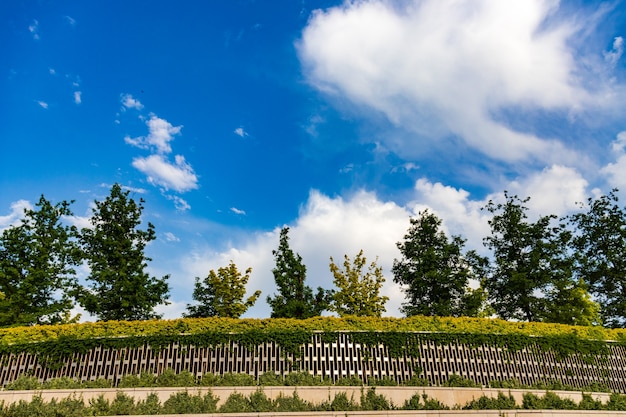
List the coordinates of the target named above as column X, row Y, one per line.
column 17, row 213
column 43, row 104
column 171, row 237
column 179, row 203
column 78, row 97
column 71, row 21
column 238, row 211
column 615, row 54
column 161, row 133
column 33, row 28
column 178, row 176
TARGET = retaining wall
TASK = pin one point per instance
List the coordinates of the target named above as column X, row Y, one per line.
column 339, row 359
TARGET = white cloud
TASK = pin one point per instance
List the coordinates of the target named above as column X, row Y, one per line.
column 440, row 68
column 616, row 171
column 178, row 176
column 240, row 132
column 34, row 29
column 325, row 227
column 16, row 214
column 238, row 211
column 161, row 133
column 70, row 20
column 171, row 237
column 179, row 203
column 43, row 104
column 615, row 54
column 129, row 102
column 78, row 97
column 52, row 71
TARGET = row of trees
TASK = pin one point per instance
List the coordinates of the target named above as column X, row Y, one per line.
column 39, row 258
column 567, row 270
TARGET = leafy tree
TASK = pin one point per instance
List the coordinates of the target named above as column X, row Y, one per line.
column 114, row 248
column 221, row 294
column 600, row 245
column 37, row 260
column 528, row 260
column 294, row 298
column 435, row 272
column 359, row 292
column 570, row 303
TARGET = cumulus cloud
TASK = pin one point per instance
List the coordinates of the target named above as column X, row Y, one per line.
column 325, row 227
column 16, row 214
column 444, row 68
column 178, row 176
column 161, row 133
column 78, row 97
column 615, row 172
column 129, row 102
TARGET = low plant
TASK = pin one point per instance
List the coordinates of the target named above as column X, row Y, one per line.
column 374, row 402
column 501, row 402
column 459, row 381
column 423, row 402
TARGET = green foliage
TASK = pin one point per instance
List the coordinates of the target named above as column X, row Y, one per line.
column 292, row 404
column 150, row 406
column 501, row 402
column 417, row 381
column 382, row 382
column 616, row 402
column 434, row 271
column 295, row 379
column 295, row 299
column 236, row 403
column 550, row 401
column 341, row 402
column 37, row 261
column 372, row 401
column 236, row 380
column 271, row 379
column 523, row 260
column 426, row 403
column 23, row 382
column 184, row 403
column 114, row 248
column 143, row 380
column 358, row 291
column 260, row 403
column 352, row 381
column 122, row 404
column 169, row 378
column 600, row 245
column 221, row 294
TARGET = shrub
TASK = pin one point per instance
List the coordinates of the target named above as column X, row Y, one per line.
column 260, row 403
column 122, row 404
column 236, row 380
column 302, row 379
column 183, row 403
column 143, row 380
column 374, row 402
column 414, row 403
column 501, row 402
column 23, row 382
column 293, row 403
column 236, row 403
column 150, row 406
column 417, row 381
column 169, row 378
column 588, row 403
column 616, row 402
column 271, row 379
column 382, row 382
column 353, row 381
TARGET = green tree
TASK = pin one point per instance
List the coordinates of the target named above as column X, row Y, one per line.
column 37, row 260
column 358, row 291
column 600, row 246
column 434, row 271
column 295, row 299
column 527, row 260
column 221, row 294
column 114, row 248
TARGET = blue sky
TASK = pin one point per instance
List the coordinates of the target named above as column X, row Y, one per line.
column 339, row 120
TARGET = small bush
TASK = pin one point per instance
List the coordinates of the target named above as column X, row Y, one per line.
column 236, row 403
column 169, row 378
column 341, row 402
column 150, row 406
column 374, row 402
column 122, row 404
column 143, row 380
column 303, row 379
column 236, row 380
column 417, row 381
column 426, row 403
column 293, row 403
column 61, row 383
column 507, row 383
column 588, row 403
column 183, row 403
column 616, row 402
column 501, row 402
column 260, row 403
column 382, row 382
column 23, row 382
column 271, row 379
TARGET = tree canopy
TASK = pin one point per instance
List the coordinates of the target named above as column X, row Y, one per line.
column 37, row 261
column 221, row 294
column 434, row 271
column 358, row 291
column 295, row 299
column 114, row 246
